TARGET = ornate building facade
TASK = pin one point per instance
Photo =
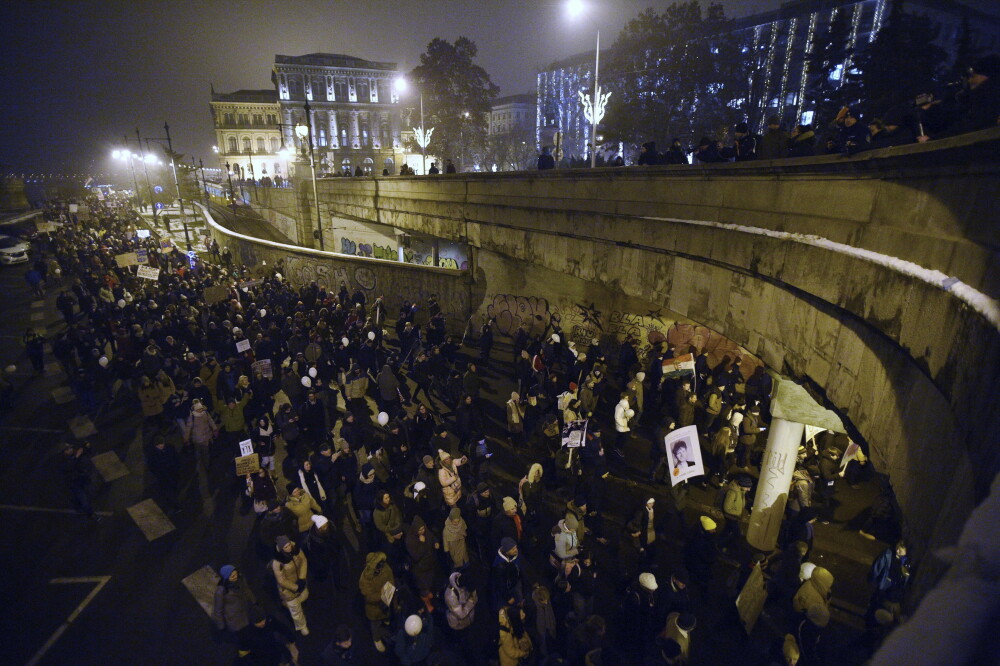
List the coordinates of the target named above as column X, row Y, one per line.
column 353, row 107
column 247, row 135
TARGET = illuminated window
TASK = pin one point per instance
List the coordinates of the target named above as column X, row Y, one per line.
column 261, row 145
column 246, row 144
column 233, row 147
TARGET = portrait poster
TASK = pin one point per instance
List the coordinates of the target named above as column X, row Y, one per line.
column 683, row 454
column 574, row 433
column 264, row 367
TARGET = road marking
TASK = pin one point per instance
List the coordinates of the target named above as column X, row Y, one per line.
column 63, row 394
column 201, row 584
column 82, row 426
column 110, row 466
column 101, row 582
column 27, row 429
column 150, row 518
column 42, row 509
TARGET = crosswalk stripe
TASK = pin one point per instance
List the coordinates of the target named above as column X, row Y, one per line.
column 201, row 584
column 110, row 466
column 150, row 518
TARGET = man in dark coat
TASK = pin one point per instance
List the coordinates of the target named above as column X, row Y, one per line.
column 774, row 143
column 744, row 147
column 979, row 107
column 506, row 576
column 545, row 160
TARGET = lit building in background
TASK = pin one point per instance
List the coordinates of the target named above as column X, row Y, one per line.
column 354, row 109
column 778, row 42
column 247, row 134
column 512, row 114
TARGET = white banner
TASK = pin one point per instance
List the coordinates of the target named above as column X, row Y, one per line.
column 684, row 454
column 149, row 273
column 242, row 346
column 246, row 447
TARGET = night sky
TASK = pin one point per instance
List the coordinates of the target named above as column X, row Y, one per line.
column 78, row 75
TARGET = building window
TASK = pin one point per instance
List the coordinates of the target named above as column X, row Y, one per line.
column 295, row 88
column 389, row 164
column 368, row 165
column 246, row 144
column 807, row 118
column 275, row 144
column 340, row 90
column 258, row 119
column 345, row 166
column 384, row 97
column 244, row 119
column 364, row 95
column 261, row 145
column 365, row 138
column 233, row 147
column 321, row 136
column 272, row 119
column 343, row 136
column 228, row 119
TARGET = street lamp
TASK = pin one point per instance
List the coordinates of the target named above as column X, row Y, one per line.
column 126, row 154
column 423, row 137
column 232, row 195
column 304, row 132
column 177, row 186
column 593, row 108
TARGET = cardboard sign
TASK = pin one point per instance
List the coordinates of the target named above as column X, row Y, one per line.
column 216, row 294
column 264, row 367
column 142, row 233
column 751, row 600
column 141, row 256
column 247, row 464
column 165, row 245
column 573, row 434
column 126, row 259
column 684, row 454
column 242, row 346
column 388, row 591
column 45, row 227
column 74, row 208
column 246, row 447
column 148, row 272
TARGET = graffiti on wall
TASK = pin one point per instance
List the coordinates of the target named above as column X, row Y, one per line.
column 410, row 256
column 511, row 311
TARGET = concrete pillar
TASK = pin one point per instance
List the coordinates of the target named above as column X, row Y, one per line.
column 437, row 252
column 334, row 131
column 776, row 470
column 353, row 131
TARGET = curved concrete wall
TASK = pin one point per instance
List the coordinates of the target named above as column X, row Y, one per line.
column 911, row 359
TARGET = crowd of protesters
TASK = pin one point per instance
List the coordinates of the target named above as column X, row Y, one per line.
column 376, row 440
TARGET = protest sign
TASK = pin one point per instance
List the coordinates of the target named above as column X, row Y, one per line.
column 264, row 367
column 812, row 431
column 142, row 233
column 148, row 272
column 141, row 257
column 165, row 245
column 215, row 294
column 388, row 590
column 751, row 600
column 242, row 346
column 45, row 227
column 247, row 464
column 126, row 259
column 74, row 208
column 684, row 454
column 573, row 434
column 850, row 453
column 246, row 447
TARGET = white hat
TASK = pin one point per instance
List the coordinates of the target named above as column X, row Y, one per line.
column 319, row 521
column 413, row 625
column 648, row 581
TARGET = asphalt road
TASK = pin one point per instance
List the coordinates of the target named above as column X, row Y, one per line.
column 83, row 591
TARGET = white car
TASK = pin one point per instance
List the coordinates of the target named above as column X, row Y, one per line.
column 13, row 250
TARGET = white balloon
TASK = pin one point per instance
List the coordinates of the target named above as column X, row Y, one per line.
column 121, row 302
column 263, row 312
column 371, row 335
column 312, row 372
column 278, row 275
column 345, row 341
column 306, row 382
column 383, row 418
column 103, row 361
column 555, row 338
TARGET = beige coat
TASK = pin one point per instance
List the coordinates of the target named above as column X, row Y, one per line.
column 288, row 575
column 304, row 508
column 451, row 483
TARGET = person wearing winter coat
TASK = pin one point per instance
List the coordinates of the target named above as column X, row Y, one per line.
column 506, row 577
column 421, row 545
column 567, row 547
column 448, row 477
column 623, row 412
column 545, row 617
column 151, row 397
column 802, row 142
column 531, row 492
column 515, row 419
column 460, row 602
column 515, row 643
column 233, row 600
column 388, row 518
column 415, row 639
column 376, row 574
column 290, row 568
column 388, row 390
column 454, row 538
column 260, row 489
column 200, row 430
column 815, row 592
column 303, row 507
column 773, row 144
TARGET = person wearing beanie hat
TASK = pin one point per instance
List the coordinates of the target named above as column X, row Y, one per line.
column 642, row 613
column 790, row 650
column 277, row 521
column 701, row 553
column 453, row 536
column 774, row 142
column 506, row 577
column 448, row 477
column 678, row 628
column 233, row 601
column 567, row 546
column 340, row 651
column 374, row 577
column 744, row 146
column 290, row 570
column 508, row 523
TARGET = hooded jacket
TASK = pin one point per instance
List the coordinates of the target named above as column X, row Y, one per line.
column 813, row 592
column 461, row 604
column 373, row 579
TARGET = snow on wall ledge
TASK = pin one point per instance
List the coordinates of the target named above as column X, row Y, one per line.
column 975, row 299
